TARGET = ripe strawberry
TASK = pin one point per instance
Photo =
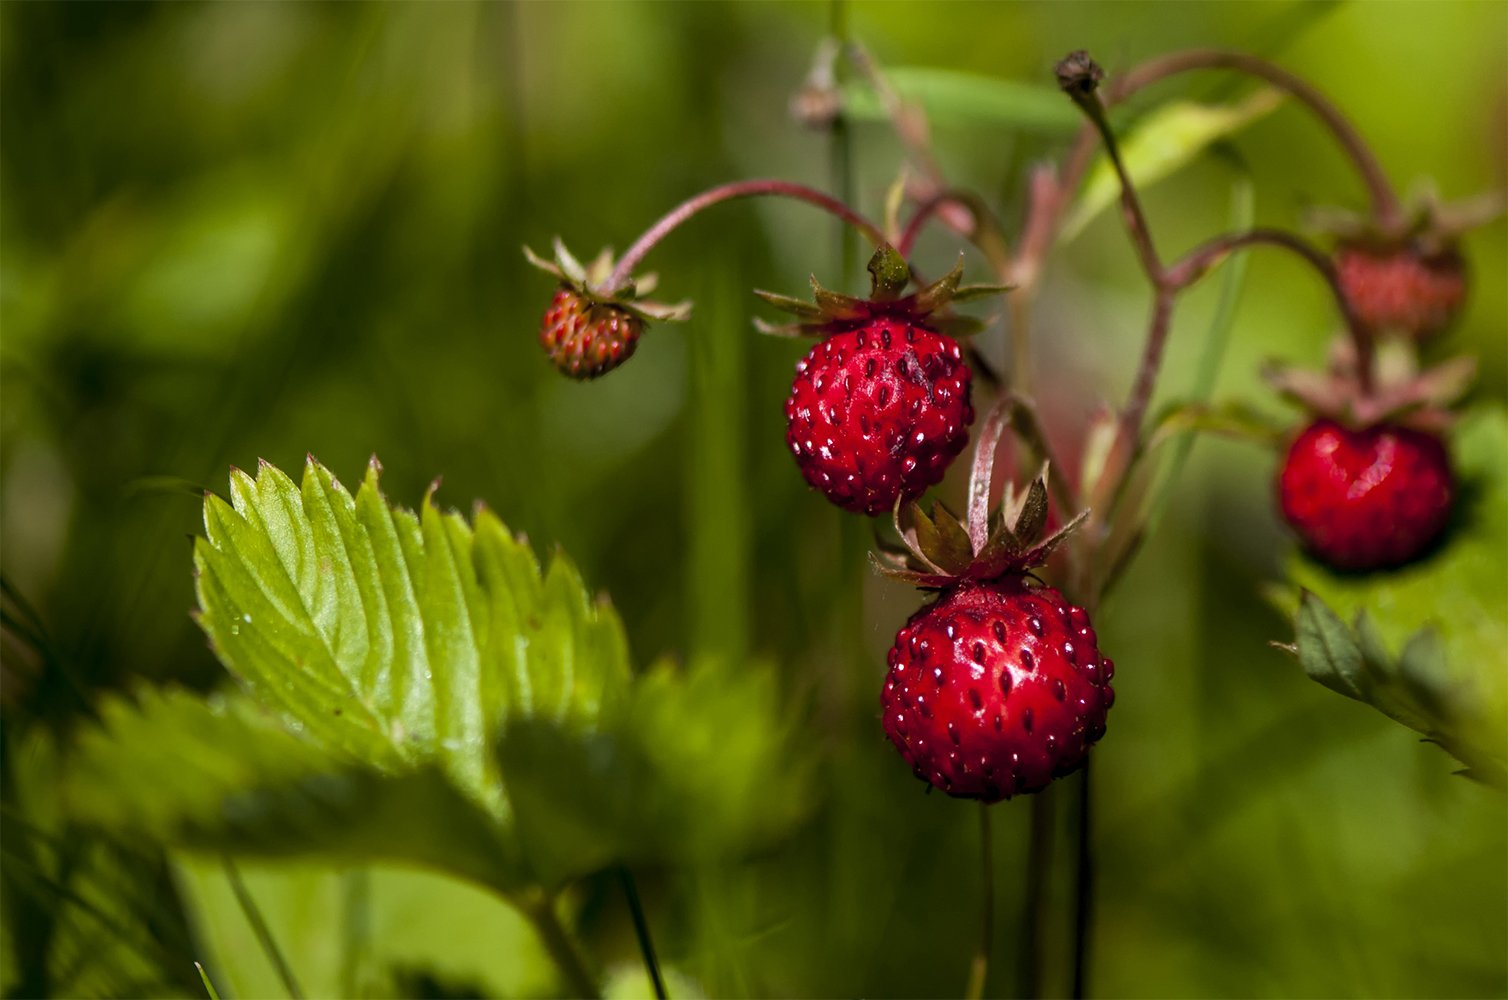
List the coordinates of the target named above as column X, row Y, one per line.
column 1369, row 498
column 878, row 412
column 880, row 407
column 996, row 689
column 1402, row 287
column 998, row 686
column 590, row 329
column 584, row 338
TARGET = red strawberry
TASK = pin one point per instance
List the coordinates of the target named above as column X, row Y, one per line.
column 586, row 339
column 996, row 689
column 998, row 686
column 1369, row 498
column 878, row 412
column 1402, row 287
column 880, row 407
column 590, row 329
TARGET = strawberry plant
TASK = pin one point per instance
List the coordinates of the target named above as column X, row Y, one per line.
column 658, row 716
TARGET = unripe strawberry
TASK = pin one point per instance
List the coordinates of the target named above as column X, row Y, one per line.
column 593, row 324
column 1368, row 498
column 996, row 689
column 1402, row 287
column 584, row 338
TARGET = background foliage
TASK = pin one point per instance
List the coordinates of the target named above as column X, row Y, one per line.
column 264, row 230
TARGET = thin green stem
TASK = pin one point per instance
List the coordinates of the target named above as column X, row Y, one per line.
column 356, row 932
column 1083, row 891
column 730, row 192
column 1034, row 900
column 567, row 957
column 641, row 931
column 980, row 967
column 259, row 928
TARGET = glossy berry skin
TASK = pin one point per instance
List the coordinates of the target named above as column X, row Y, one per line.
column 877, row 412
column 996, row 689
column 586, row 339
column 1402, row 289
column 1366, row 499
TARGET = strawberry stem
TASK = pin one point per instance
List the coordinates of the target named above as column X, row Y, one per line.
column 540, row 912
column 1385, row 205
column 1200, row 260
column 1079, row 77
column 979, row 968
column 983, row 473
column 716, row 196
column 1034, row 916
column 641, row 931
column 1083, row 888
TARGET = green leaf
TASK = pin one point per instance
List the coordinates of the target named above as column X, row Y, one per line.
column 394, row 638
column 1327, row 650
column 949, row 96
column 1164, row 142
column 435, row 700
column 697, row 763
column 220, row 775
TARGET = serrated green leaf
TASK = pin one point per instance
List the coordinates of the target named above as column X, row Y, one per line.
column 421, row 671
column 1328, row 651
column 695, row 763
column 1161, row 144
column 397, row 638
column 967, row 98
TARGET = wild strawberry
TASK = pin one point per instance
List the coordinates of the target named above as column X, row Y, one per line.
column 1402, row 287
column 996, row 689
column 998, row 686
column 1366, row 498
column 880, row 407
column 1366, row 483
column 585, row 338
column 589, row 330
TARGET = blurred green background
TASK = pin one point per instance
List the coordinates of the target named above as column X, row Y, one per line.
column 261, row 230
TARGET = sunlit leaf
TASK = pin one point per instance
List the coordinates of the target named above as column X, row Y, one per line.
column 967, row 98
column 395, row 638
column 1164, row 142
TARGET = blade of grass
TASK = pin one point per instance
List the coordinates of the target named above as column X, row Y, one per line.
column 209, row 987
column 259, row 927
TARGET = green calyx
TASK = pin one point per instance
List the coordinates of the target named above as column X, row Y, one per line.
column 938, row 550
column 590, row 281
column 889, row 276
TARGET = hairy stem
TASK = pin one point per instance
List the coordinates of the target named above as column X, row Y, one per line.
column 980, row 967
column 730, row 192
column 1079, row 77
column 641, row 931
column 1385, row 205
